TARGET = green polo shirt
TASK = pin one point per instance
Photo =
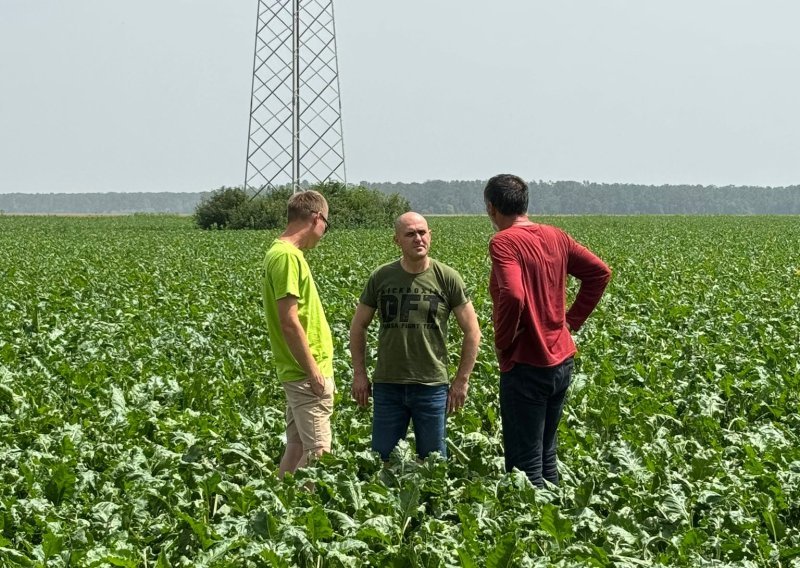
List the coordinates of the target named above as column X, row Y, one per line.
column 286, row 273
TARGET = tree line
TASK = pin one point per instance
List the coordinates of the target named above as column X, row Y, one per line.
column 99, row 203
column 587, row 198
column 464, row 197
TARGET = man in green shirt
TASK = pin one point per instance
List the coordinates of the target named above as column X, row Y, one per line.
column 300, row 337
column 414, row 297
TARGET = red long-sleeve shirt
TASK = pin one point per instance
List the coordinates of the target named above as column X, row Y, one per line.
column 530, row 264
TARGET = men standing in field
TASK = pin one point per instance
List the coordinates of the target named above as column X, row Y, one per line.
column 300, row 337
column 414, row 297
column 533, row 341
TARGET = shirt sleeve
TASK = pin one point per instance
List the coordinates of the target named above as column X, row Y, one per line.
column 284, row 276
column 369, row 297
column 458, row 291
column 510, row 300
column 594, row 275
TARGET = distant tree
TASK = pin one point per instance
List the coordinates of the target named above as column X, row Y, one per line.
column 266, row 211
column 215, row 210
column 355, row 207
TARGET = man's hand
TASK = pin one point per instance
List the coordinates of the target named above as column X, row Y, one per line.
column 361, row 389
column 317, row 382
column 457, row 395
column 468, row 322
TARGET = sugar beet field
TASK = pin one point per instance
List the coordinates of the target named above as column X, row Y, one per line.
column 141, row 422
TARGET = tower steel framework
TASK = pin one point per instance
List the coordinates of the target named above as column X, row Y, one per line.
column 295, row 129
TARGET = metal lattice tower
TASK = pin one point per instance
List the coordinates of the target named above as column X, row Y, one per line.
column 295, row 110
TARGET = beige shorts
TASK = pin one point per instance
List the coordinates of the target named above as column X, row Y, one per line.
column 308, row 416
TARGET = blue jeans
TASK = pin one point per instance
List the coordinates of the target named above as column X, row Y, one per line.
column 531, row 402
column 396, row 405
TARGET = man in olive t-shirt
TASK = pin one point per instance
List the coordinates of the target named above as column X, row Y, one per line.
column 414, row 297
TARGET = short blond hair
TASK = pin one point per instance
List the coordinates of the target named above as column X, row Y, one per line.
column 304, row 204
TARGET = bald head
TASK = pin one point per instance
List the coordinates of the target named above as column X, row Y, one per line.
column 408, row 219
column 412, row 236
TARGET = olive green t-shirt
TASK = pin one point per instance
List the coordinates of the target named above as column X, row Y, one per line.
column 286, row 273
column 413, row 310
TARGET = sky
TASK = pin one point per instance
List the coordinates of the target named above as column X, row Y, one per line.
column 153, row 95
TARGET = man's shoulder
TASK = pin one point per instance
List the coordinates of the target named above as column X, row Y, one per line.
column 502, row 239
column 449, row 277
column 281, row 254
column 280, row 248
column 386, row 269
column 445, row 269
column 550, row 228
column 515, row 234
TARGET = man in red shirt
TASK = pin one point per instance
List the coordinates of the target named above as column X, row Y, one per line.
column 533, row 341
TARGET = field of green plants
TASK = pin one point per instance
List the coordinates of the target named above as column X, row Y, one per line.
column 141, row 422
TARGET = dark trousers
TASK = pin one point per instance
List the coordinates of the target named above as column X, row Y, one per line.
column 531, row 402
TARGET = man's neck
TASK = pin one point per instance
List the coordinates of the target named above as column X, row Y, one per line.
column 415, row 266
column 504, row 222
column 295, row 235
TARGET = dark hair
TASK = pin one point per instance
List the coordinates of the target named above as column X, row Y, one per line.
column 508, row 194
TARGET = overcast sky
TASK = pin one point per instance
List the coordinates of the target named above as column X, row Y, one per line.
column 153, row 95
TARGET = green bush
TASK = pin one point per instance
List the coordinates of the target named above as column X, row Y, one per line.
column 350, row 207
column 262, row 212
column 355, row 207
column 359, row 207
column 215, row 210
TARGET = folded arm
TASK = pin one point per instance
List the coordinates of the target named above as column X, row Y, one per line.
column 594, row 275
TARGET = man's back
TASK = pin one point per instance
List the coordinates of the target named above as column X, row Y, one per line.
column 530, row 264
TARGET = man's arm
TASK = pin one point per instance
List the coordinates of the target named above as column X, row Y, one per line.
column 468, row 322
column 358, row 352
column 511, row 294
column 297, row 341
column 594, row 275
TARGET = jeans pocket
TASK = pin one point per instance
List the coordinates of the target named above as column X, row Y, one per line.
column 565, row 373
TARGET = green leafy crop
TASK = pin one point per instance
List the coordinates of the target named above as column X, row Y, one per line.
column 141, row 421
